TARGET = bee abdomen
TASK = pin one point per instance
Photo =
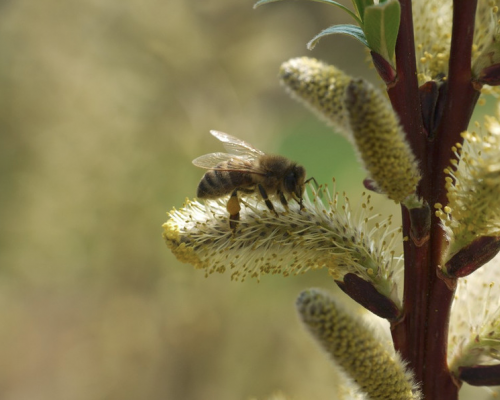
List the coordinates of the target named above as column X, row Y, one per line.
column 216, row 183
column 211, row 185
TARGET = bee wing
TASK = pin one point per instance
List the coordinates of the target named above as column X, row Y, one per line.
column 212, row 160
column 237, row 146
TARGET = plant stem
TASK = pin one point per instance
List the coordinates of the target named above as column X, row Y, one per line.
column 405, row 101
column 459, row 101
column 421, row 336
column 406, row 86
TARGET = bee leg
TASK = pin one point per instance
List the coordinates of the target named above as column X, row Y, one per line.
column 263, row 193
column 283, row 200
column 233, row 207
column 233, row 222
column 301, row 205
column 299, row 200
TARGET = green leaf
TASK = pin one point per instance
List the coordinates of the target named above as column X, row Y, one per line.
column 360, row 6
column 381, row 25
column 351, row 30
column 330, row 2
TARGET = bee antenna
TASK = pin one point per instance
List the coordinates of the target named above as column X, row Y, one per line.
column 314, row 180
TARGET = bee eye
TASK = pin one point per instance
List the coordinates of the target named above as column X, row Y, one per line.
column 290, row 182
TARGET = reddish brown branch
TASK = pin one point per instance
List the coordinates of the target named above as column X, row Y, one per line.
column 422, row 335
column 404, row 95
column 406, row 85
column 457, row 104
column 459, row 97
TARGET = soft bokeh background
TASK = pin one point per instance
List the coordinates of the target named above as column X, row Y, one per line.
column 103, row 105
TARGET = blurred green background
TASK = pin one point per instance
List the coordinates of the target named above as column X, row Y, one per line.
column 103, row 105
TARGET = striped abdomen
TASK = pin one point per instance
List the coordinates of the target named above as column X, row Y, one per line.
column 225, row 178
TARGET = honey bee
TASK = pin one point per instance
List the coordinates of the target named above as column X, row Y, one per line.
column 245, row 169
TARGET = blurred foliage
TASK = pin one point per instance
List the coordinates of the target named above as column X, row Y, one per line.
column 103, row 105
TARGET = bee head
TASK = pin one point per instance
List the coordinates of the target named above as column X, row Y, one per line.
column 294, row 180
